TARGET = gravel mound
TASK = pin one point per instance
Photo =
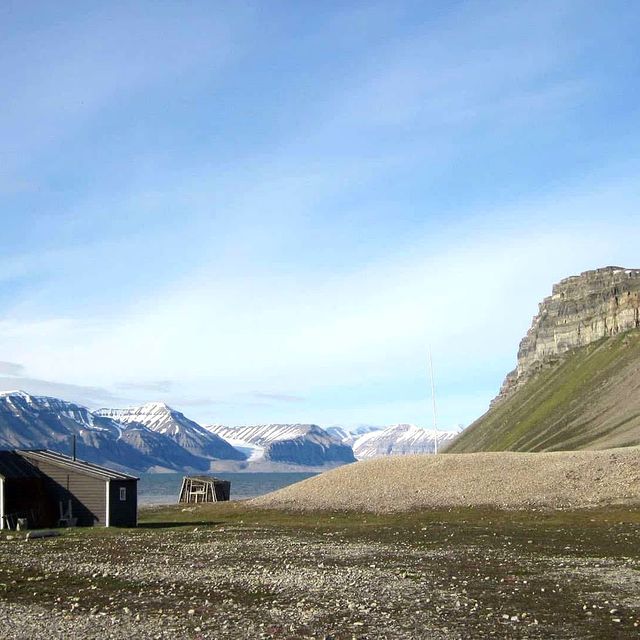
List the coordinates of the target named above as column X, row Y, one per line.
column 508, row 480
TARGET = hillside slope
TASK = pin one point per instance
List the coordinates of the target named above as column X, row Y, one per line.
column 506, row 479
column 590, row 399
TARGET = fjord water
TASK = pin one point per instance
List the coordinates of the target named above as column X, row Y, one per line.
column 163, row 488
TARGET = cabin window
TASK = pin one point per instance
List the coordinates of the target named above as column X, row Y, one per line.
column 123, row 494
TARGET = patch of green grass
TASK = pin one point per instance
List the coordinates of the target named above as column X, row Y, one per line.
column 549, row 412
column 384, row 527
column 463, row 569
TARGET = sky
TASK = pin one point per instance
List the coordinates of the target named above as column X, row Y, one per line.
column 273, row 211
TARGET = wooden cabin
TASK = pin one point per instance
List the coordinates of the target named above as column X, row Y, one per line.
column 49, row 489
column 204, row 489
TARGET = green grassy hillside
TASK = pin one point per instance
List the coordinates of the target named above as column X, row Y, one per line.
column 588, row 400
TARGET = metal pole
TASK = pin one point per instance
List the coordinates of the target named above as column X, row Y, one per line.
column 433, row 403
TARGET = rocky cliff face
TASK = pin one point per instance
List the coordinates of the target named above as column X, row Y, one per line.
column 581, row 310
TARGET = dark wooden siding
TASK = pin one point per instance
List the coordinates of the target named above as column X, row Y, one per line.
column 123, row 513
column 27, row 498
column 88, row 495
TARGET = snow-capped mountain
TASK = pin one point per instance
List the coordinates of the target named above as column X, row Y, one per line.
column 155, row 437
column 40, row 422
column 298, row 444
column 30, row 421
column 163, row 450
column 160, row 418
column 398, row 440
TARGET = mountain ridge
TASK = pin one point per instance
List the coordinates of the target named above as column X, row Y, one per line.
column 401, row 439
column 36, row 422
column 288, row 443
column 155, row 437
column 163, row 419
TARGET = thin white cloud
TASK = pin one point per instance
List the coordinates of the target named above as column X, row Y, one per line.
column 81, row 394
column 157, row 386
column 471, row 298
column 277, row 397
column 202, row 292
column 467, row 68
column 11, row 369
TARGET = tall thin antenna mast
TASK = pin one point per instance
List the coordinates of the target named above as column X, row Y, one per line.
column 433, row 403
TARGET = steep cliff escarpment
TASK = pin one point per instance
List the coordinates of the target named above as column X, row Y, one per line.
column 581, row 310
column 577, row 382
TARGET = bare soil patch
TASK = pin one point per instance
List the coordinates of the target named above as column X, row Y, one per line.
column 507, row 480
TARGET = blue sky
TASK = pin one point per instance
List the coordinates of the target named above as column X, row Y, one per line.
column 268, row 211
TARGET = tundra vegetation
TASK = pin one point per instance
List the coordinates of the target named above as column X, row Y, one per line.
column 586, row 399
column 229, row 570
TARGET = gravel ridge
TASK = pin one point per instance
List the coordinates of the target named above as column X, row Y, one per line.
column 508, row 480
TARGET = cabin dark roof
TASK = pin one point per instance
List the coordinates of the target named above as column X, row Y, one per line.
column 79, row 466
column 13, row 466
column 206, row 478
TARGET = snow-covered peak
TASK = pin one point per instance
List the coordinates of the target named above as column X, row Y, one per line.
column 338, row 432
column 76, row 412
column 401, row 439
column 18, row 401
column 36, row 400
column 349, row 434
column 156, row 416
column 18, row 393
column 159, row 417
column 263, row 434
column 154, row 407
column 287, row 443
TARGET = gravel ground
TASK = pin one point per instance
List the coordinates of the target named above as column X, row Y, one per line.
column 243, row 574
column 507, row 480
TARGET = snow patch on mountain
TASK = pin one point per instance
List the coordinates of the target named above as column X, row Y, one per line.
column 302, row 444
column 348, row 435
column 253, row 452
column 266, row 433
column 156, row 416
column 400, row 439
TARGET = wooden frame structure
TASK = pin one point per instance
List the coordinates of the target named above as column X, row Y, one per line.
column 197, row 489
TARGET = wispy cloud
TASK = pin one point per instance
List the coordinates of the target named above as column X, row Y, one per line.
column 160, row 386
column 260, row 221
column 278, row 397
column 82, row 394
column 221, row 336
column 11, row 369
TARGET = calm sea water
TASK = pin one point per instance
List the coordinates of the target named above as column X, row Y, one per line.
column 163, row 488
